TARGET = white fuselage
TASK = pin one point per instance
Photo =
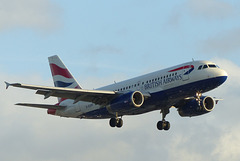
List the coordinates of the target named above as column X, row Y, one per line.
column 171, row 84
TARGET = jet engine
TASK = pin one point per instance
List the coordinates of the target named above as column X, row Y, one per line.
column 127, row 101
column 194, row 107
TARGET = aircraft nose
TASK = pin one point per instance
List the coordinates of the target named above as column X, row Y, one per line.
column 222, row 75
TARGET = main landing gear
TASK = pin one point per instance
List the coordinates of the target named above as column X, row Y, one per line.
column 163, row 125
column 116, row 122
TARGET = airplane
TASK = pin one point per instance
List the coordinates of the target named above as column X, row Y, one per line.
column 179, row 86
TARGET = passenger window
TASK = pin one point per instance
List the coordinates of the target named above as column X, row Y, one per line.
column 200, row 67
column 205, row 66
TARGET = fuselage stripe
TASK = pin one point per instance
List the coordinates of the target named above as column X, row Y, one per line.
column 183, row 67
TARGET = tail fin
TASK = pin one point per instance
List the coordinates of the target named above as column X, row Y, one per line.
column 61, row 75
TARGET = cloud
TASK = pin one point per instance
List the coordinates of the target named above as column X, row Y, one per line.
column 41, row 15
column 210, row 9
column 228, row 144
column 225, row 43
column 205, row 9
column 31, row 134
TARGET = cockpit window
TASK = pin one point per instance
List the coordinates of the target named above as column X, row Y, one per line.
column 212, row 66
column 205, row 66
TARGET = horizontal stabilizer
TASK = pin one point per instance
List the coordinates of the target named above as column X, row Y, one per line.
column 54, row 107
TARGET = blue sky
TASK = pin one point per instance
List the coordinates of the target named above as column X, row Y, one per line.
column 110, row 40
column 106, row 37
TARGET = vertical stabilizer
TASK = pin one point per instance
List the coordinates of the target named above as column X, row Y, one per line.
column 61, row 75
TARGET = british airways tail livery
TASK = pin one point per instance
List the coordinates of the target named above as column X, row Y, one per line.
column 180, row 86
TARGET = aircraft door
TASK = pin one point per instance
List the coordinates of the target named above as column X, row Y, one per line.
column 185, row 73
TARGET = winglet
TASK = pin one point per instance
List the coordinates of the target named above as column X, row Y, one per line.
column 7, row 84
column 12, row 84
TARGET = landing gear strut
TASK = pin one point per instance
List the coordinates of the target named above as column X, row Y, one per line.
column 116, row 122
column 163, row 125
column 198, row 97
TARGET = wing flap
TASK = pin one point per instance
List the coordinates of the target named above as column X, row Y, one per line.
column 44, row 106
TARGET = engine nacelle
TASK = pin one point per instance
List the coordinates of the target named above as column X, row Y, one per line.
column 192, row 108
column 127, row 101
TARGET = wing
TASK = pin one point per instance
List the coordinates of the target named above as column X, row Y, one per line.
column 99, row 97
column 54, row 107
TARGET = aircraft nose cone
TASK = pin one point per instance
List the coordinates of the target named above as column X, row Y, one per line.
column 222, row 76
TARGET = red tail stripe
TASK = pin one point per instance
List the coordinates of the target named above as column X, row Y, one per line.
column 56, row 70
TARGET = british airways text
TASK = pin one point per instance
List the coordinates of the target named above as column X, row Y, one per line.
column 161, row 82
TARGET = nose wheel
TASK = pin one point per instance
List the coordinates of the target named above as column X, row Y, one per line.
column 163, row 125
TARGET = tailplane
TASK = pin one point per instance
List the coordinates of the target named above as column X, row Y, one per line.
column 62, row 77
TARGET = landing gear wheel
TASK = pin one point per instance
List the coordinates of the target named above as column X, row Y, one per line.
column 167, row 126
column 163, row 125
column 116, row 122
column 119, row 123
column 160, row 125
column 113, row 122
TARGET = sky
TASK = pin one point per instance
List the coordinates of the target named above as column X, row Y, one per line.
column 111, row 40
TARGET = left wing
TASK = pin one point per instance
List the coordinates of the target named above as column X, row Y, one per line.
column 44, row 106
column 99, row 97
